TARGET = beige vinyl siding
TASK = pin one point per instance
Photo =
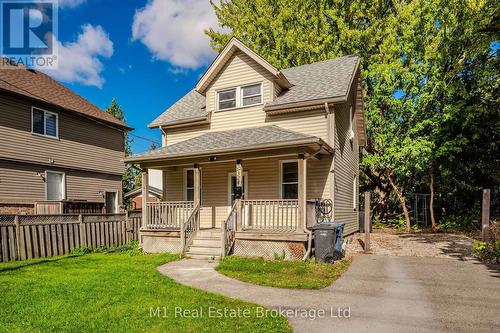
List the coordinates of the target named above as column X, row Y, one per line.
column 239, row 70
column 263, row 183
column 311, row 123
column 176, row 135
column 82, row 143
column 19, row 183
column 346, row 168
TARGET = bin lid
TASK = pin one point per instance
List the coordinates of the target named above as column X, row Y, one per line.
column 327, row 225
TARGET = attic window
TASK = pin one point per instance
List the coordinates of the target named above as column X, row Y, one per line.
column 227, row 99
column 239, row 97
column 251, row 95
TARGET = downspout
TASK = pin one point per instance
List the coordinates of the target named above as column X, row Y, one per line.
column 309, row 232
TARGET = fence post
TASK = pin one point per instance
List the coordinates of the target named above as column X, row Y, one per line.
column 127, row 227
column 485, row 216
column 367, row 221
column 83, row 242
column 18, row 237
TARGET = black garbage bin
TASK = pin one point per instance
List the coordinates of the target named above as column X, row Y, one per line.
column 328, row 241
column 324, row 242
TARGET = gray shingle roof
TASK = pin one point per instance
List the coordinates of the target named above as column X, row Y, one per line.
column 191, row 106
column 213, row 142
column 325, row 79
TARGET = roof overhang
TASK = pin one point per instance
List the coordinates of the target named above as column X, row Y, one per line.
column 231, row 47
column 184, row 122
column 311, row 145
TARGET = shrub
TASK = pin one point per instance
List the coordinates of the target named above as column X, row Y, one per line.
column 488, row 252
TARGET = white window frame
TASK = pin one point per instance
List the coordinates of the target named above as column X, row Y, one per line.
column 259, row 94
column 239, row 97
column 354, row 193
column 184, row 184
column 63, row 189
column 245, row 185
column 45, row 112
column 281, row 176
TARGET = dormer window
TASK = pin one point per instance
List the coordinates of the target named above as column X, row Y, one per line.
column 251, row 95
column 238, row 97
column 227, row 99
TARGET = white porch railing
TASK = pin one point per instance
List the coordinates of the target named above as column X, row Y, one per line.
column 189, row 229
column 270, row 215
column 229, row 231
column 167, row 215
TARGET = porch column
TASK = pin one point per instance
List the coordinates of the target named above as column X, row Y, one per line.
column 197, row 185
column 145, row 195
column 239, row 182
column 302, row 195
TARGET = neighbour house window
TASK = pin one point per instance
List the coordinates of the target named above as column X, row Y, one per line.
column 239, row 97
column 44, row 123
column 55, row 185
column 289, row 180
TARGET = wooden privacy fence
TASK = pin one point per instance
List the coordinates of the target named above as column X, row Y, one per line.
column 40, row 236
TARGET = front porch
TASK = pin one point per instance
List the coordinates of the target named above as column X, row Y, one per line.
column 252, row 198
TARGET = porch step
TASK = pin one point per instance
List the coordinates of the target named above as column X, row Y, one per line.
column 209, row 233
column 206, row 242
column 206, row 245
column 212, row 251
column 203, row 257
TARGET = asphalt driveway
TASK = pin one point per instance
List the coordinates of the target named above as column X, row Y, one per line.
column 376, row 294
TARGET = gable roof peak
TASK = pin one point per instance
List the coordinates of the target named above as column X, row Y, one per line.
column 224, row 56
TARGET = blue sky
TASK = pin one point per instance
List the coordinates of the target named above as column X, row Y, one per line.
column 146, row 54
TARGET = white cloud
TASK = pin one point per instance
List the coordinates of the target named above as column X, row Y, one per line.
column 173, row 31
column 70, row 3
column 79, row 61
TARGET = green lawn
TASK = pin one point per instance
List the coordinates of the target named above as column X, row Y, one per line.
column 283, row 274
column 112, row 293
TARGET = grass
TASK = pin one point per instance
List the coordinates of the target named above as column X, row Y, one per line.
column 282, row 274
column 112, row 293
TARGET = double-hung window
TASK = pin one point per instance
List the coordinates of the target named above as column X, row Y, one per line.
column 227, row 99
column 289, row 180
column 239, row 97
column 251, row 95
column 44, row 123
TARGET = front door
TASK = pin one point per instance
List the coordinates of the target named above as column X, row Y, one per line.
column 232, row 188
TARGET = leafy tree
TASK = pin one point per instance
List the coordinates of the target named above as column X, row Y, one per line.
column 431, row 81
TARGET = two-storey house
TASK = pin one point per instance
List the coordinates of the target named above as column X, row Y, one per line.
column 247, row 149
column 59, row 153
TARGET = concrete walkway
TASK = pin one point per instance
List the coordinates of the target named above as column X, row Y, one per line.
column 378, row 293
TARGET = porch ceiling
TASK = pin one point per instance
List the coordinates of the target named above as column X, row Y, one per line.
column 266, row 140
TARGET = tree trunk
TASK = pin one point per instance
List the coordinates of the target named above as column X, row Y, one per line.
column 431, row 203
column 402, row 201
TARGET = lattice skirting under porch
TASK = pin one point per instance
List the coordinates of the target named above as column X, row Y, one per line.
column 268, row 249
column 160, row 244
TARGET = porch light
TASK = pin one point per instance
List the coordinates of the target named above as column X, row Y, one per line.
column 212, row 158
